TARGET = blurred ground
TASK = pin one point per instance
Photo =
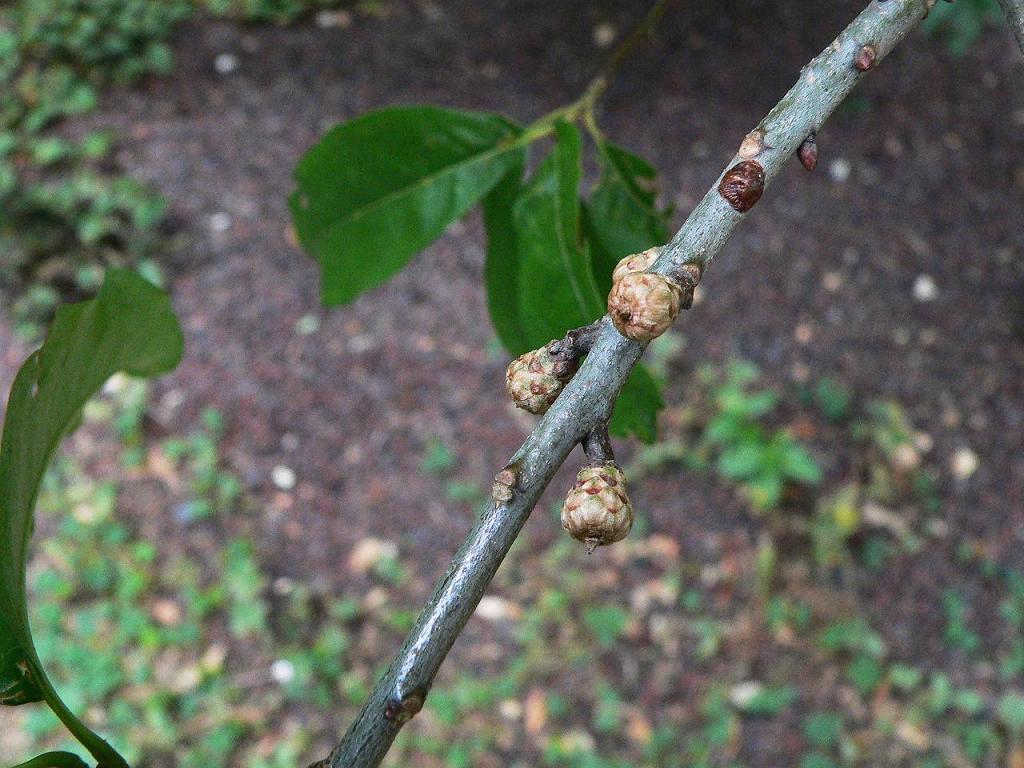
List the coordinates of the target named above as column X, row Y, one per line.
column 895, row 269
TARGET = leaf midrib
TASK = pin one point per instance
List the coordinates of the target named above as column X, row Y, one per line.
column 564, row 248
column 388, row 199
column 616, row 171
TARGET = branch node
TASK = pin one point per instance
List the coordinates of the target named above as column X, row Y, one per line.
column 865, row 58
column 403, row 710
column 598, row 446
column 575, row 344
column 505, row 481
column 753, row 144
column 688, row 276
column 808, row 152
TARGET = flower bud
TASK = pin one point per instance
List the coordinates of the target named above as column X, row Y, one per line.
column 808, row 153
column 643, row 306
column 635, row 262
column 597, row 510
column 535, row 380
column 742, row 185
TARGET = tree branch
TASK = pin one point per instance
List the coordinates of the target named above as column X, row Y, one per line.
column 1014, row 10
column 588, row 398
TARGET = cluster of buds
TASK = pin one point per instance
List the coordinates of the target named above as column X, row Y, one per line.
column 597, row 510
column 643, row 304
column 535, row 380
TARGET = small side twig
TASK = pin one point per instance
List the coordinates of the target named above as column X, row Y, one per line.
column 598, row 446
column 576, row 343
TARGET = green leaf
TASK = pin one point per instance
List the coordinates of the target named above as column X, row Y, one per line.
column 854, row 636
column 129, row 327
column 865, row 673
column 540, row 281
column 797, row 464
column 556, row 288
column 620, row 217
column 501, row 267
column 376, row 190
column 770, row 701
column 823, row 729
column 725, row 428
column 1011, row 712
column 636, row 410
column 741, row 461
column 764, row 491
column 55, row 760
column 815, row 760
column 607, row 623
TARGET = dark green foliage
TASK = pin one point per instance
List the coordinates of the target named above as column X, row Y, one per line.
column 117, row 39
column 961, row 24
column 769, row 701
column 555, row 285
column 620, row 216
column 378, row 189
column 278, row 11
column 61, row 217
column 63, row 213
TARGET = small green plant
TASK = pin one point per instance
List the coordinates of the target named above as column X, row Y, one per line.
column 864, row 649
column 958, row 634
column 61, row 217
column 115, row 39
column 438, row 458
column 763, row 461
column 830, row 397
column 213, row 489
column 892, row 458
column 823, row 729
column 606, row 623
column 1011, row 713
column 837, row 517
column 278, row 11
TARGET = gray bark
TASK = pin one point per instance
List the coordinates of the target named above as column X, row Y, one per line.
column 588, row 399
column 1014, row 10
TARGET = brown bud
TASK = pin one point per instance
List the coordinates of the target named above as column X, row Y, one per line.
column 535, row 380
column 689, row 278
column 504, row 482
column 691, row 274
column 865, row 58
column 808, row 153
column 753, row 144
column 643, row 305
column 402, row 711
column 597, row 510
column 636, row 262
column 743, row 185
